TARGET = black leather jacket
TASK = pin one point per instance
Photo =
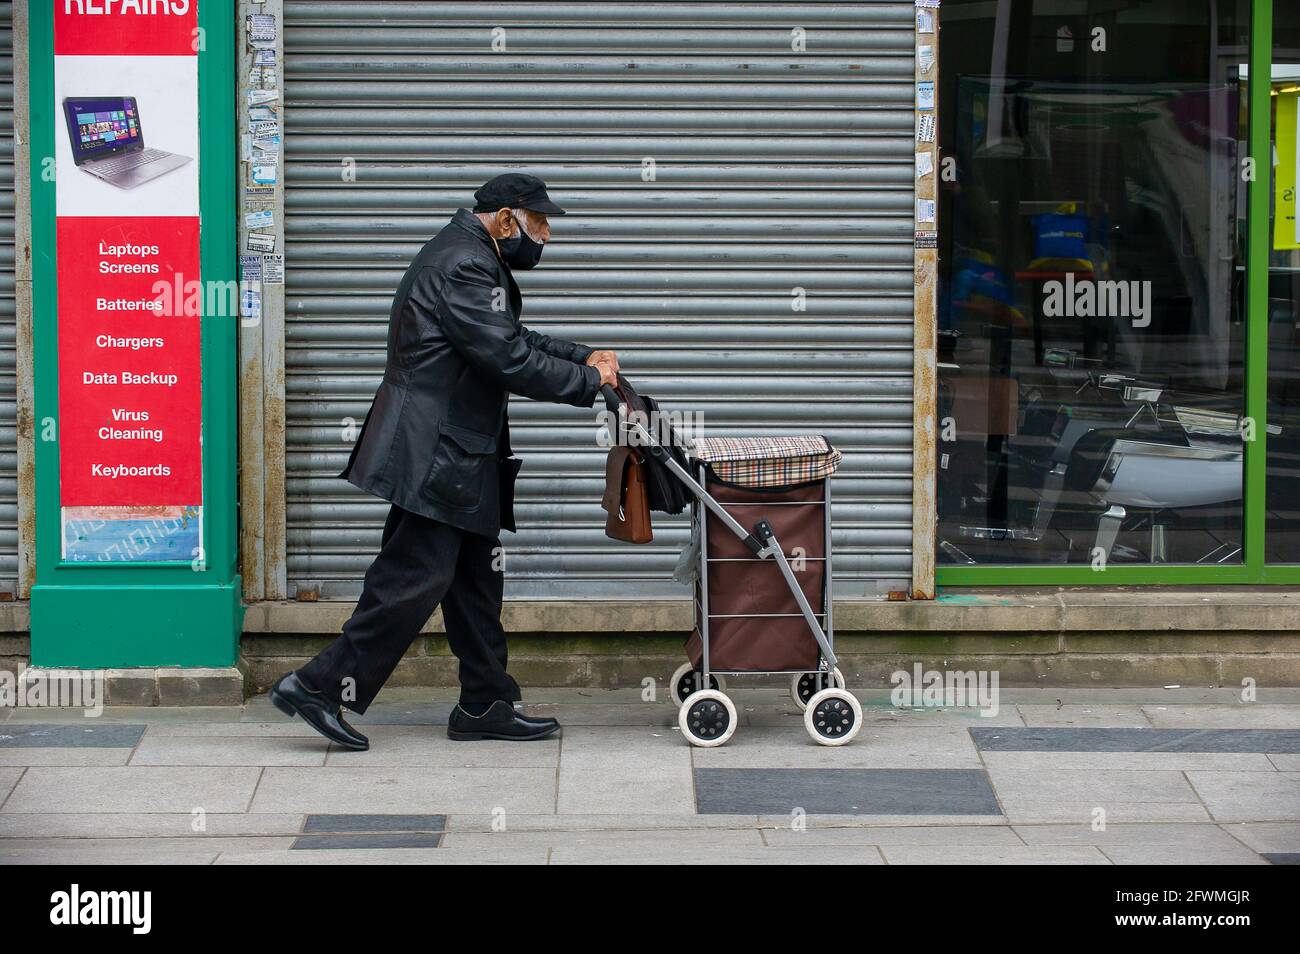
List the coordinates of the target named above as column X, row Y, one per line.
column 436, row 440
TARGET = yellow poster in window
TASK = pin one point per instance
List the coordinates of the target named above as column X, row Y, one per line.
column 1284, row 173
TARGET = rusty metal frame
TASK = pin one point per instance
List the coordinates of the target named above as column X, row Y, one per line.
column 262, row 531
column 25, row 383
column 925, row 257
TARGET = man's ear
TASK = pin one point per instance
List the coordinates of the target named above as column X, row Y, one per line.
column 505, row 223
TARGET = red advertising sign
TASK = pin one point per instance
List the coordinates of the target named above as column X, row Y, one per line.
column 129, row 288
column 129, row 377
column 125, row 27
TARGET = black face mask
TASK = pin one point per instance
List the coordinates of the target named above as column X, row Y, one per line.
column 520, row 251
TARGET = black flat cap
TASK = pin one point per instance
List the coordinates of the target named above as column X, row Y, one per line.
column 514, row 190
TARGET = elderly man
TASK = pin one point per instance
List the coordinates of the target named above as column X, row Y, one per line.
column 436, row 445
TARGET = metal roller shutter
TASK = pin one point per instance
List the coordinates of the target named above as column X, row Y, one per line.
column 773, row 170
column 8, row 327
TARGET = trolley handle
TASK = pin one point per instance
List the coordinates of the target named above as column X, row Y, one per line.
column 611, row 397
column 647, row 436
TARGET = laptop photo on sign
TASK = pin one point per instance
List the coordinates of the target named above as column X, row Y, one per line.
column 108, row 141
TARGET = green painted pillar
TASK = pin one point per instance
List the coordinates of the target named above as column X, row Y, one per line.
column 135, row 317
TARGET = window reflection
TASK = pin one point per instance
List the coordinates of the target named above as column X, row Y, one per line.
column 1091, row 334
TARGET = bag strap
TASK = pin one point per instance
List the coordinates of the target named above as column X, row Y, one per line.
column 615, row 475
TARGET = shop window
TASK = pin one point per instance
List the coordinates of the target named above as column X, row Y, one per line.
column 1282, row 537
column 1091, row 319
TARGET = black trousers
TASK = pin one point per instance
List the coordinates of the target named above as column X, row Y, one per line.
column 421, row 563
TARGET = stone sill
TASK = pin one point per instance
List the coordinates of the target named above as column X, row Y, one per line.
column 163, row 686
column 15, row 616
column 1029, row 610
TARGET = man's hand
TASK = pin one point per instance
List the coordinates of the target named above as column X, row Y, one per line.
column 606, row 362
column 596, row 357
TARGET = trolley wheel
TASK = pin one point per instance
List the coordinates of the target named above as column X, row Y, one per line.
column 687, row 680
column 805, row 685
column 833, row 717
column 707, row 718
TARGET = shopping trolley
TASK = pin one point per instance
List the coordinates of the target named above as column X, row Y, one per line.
column 761, row 523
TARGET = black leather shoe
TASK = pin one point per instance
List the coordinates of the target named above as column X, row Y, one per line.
column 503, row 721
column 292, row 698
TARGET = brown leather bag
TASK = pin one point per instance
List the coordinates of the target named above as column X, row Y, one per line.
column 626, row 500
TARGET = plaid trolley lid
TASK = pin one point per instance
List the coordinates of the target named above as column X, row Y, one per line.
column 768, row 461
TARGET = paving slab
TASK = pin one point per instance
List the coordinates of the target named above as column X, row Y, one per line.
column 413, row 712
column 80, row 735
column 1119, row 716
column 328, row 832
column 575, row 714
column 605, row 822
column 353, row 824
column 624, row 770
column 29, row 755
column 563, row 695
column 1006, row 715
column 411, row 791
column 787, row 820
column 787, row 716
column 9, row 776
column 124, row 855
column 163, row 846
column 397, row 713
column 1032, row 812
column 285, row 728
column 1103, row 786
column 1011, row 855
column 448, row 694
column 1267, row 836
column 1094, row 739
column 844, row 791
column 1076, row 795
column 422, row 745
column 885, row 714
column 385, row 856
column 625, row 844
column 828, row 855
column 221, row 750
column 1249, row 796
column 1128, row 761
column 147, row 824
column 950, row 836
column 131, row 788
column 260, row 707
column 331, row 841
column 1207, row 837
column 1181, row 855
column 1254, row 715
column 941, row 746
column 1145, row 696
column 137, row 714
column 535, row 695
